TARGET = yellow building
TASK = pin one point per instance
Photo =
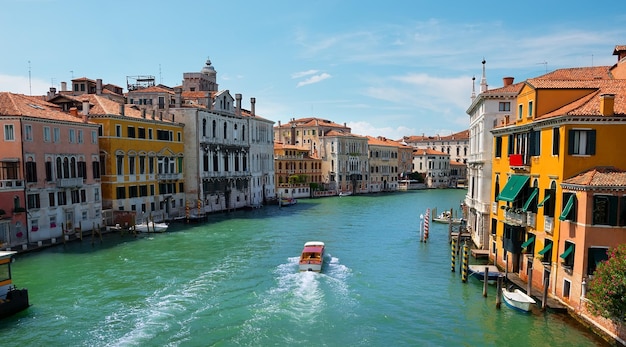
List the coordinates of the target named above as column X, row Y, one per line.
column 566, row 122
column 295, row 170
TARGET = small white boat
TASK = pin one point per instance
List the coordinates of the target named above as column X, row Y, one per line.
column 151, row 227
column 517, row 299
column 446, row 218
column 478, row 272
column 312, row 257
column 12, row 300
column 288, row 201
column 346, row 193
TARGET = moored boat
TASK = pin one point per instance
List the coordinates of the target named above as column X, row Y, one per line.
column 478, row 272
column 446, row 218
column 151, row 227
column 288, row 201
column 517, row 299
column 312, row 257
column 12, row 300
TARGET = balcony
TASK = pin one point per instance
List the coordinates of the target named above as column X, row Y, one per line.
column 514, row 217
column 517, row 161
column 70, row 182
column 169, row 176
column 531, row 220
column 494, row 207
column 548, row 224
column 11, row 184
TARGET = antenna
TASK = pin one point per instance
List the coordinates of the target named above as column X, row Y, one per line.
column 72, row 72
column 160, row 76
column 30, row 86
column 545, row 63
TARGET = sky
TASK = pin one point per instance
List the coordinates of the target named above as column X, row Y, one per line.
column 384, row 69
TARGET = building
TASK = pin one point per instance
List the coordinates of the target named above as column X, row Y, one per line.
column 384, row 160
column 434, row 166
column 50, row 171
column 297, row 172
column 345, row 163
column 455, row 145
column 549, row 213
column 487, row 110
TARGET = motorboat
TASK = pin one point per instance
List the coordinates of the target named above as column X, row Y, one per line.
column 288, row 201
column 478, row 272
column 151, row 227
column 312, row 257
column 517, row 299
column 12, row 300
column 446, row 217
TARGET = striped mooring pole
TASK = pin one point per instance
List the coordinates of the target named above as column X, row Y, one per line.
column 453, row 255
column 465, row 267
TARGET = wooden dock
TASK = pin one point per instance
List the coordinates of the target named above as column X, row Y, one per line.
column 537, row 294
column 480, row 253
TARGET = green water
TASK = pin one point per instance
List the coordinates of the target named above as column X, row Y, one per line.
column 233, row 281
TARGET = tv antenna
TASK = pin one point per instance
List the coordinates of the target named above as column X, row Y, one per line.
column 30, row 85
column 545, row 63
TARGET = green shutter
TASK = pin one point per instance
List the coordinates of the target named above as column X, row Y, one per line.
column 591, row 142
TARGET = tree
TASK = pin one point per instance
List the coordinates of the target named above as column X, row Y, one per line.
column 607, row 290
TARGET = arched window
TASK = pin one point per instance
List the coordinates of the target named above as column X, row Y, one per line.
column 204, row 127
column 66, row 168
column 243, row 133
column 214, row 128
column 73, row 168
column 225, row 130
column 497, row 189
column 59, row 168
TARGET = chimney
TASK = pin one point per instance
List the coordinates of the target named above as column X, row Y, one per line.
column 178, row 97
column 279, row 124
column 74, row 111
column 607, row 103
column 238, row 103
column 121, row 109
column 64, row 86
column 52, row 93
column 99, row 86
column 252, row 108
column 85, row 107
column 507, row 81
column 293, row 135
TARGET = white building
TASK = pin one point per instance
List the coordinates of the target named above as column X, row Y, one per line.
column 486, row 110
column 434, row 165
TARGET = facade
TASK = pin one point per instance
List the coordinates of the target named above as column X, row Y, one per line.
column 455, row 145
column 383, row 164
column 434, row 165
column 52, row 156
column 345, row 163
column 565, row 127
column 296, row 171
column 487, row 110
column 221, row 141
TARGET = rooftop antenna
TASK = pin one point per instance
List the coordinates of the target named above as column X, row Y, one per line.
column 545, row 63
column 30, row 86
column 592, row 60
column 72, row 73
column 160, row 76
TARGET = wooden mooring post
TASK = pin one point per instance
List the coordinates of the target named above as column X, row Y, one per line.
column 485, row 281
column 499, row 292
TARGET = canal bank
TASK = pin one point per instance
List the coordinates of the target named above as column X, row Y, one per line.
column 234, row 281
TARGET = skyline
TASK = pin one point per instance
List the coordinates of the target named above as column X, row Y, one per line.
column 388, row 71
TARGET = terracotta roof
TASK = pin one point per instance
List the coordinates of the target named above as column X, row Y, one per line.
column 382, row 141
column 312, row 122
column 27, row 106
column 513, row 88
column 618, row 49
column 152, row 89
column 461, row 135
column 340, row 133
column 589, row 105
column 600, row 176
column 578, row 74
column 428, row 151
column 196, row 94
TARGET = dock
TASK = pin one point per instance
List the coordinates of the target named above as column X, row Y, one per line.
column 537, row 294
column 480, row 253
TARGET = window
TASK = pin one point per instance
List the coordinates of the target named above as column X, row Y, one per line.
column 31, row 171
column 46, row 134
column 595, row 255
column 503, row 107
column 534, row 148
column 568, row 255
column 118, row 130
column 555, row 141
column 9, row 133
column 75, row 196
column 72, row 136
column 80, row 136
column 151, row 165
column 61, row 198
column 214, row 128
column 520, row 111
column 82, row 169
column 131, row 132
column 56, row 135
column 120, row 164
column 95, row 168
column 51, row 199
column 225, row 131
column 94, row 136
column 149, row 134
column 582, row 142
column 142, row 164
column 569, row 207
column 141, row 133
column 498, row 151
column 83, row 195
column 604, row 210
column 530, row 109
column 28, row 132
column 96, row 194
column 143, row 190
column 32, row 201
column 121, row 192
column 48, row 171
column 133, row 192
column 131, row 165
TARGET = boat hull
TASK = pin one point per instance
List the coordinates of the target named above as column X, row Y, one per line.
column 478, row 272
column 517, row 300
column 151, row 228
column 16, row 301
column 312, row 257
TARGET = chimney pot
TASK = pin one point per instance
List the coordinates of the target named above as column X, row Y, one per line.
column 507, row 81
column 607, row 104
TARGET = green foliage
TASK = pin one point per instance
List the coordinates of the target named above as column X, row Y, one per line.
column 296, row 179
column 607, row 290
column 416, row 176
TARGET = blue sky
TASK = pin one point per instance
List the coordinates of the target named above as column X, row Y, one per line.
column 384, row 68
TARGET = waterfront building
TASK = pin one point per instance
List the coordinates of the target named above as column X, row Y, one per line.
column 383, row 164
column 565, row 128
column 50, row 171
column 141, row 156
column 455, row 145
column 223, row 142
column 487, row 109
column 434, row 166
column 345, row 163
column 296, row 171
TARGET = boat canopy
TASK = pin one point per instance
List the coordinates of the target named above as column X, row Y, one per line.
column 312, row 249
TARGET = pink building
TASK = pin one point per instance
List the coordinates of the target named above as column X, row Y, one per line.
column 50, row 171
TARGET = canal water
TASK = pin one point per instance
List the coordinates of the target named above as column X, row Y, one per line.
column 233, row 281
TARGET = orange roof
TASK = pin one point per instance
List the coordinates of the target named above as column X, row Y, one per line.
column 383, row 141
column 589, row 105
column 600, row 176
column 312, row 122
column 513, row 88
column 152, row 89
column 28, row 106
column 578, row 74
column 428, row 151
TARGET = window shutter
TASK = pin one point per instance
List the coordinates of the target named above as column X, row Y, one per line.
column 555, row 141
column 570, row 142
column 591, row 142
column 613, row 210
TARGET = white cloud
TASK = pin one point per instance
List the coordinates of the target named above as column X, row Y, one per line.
column 303, row 73
column 314, row 79
column 366, row 128
column 22, row 85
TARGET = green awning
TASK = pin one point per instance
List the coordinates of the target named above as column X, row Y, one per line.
column 528, row 242
column 567, row 252
column 540, row 204
column 513, row 187
column 545, row 249
column 568, row 207
column 530, row 199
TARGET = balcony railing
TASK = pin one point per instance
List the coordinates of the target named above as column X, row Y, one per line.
column 169, row 176
column 517, row 161
column 11, row 184
column 515, row 218
column 494, row 207
column 548, row 224
column 70, row 182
